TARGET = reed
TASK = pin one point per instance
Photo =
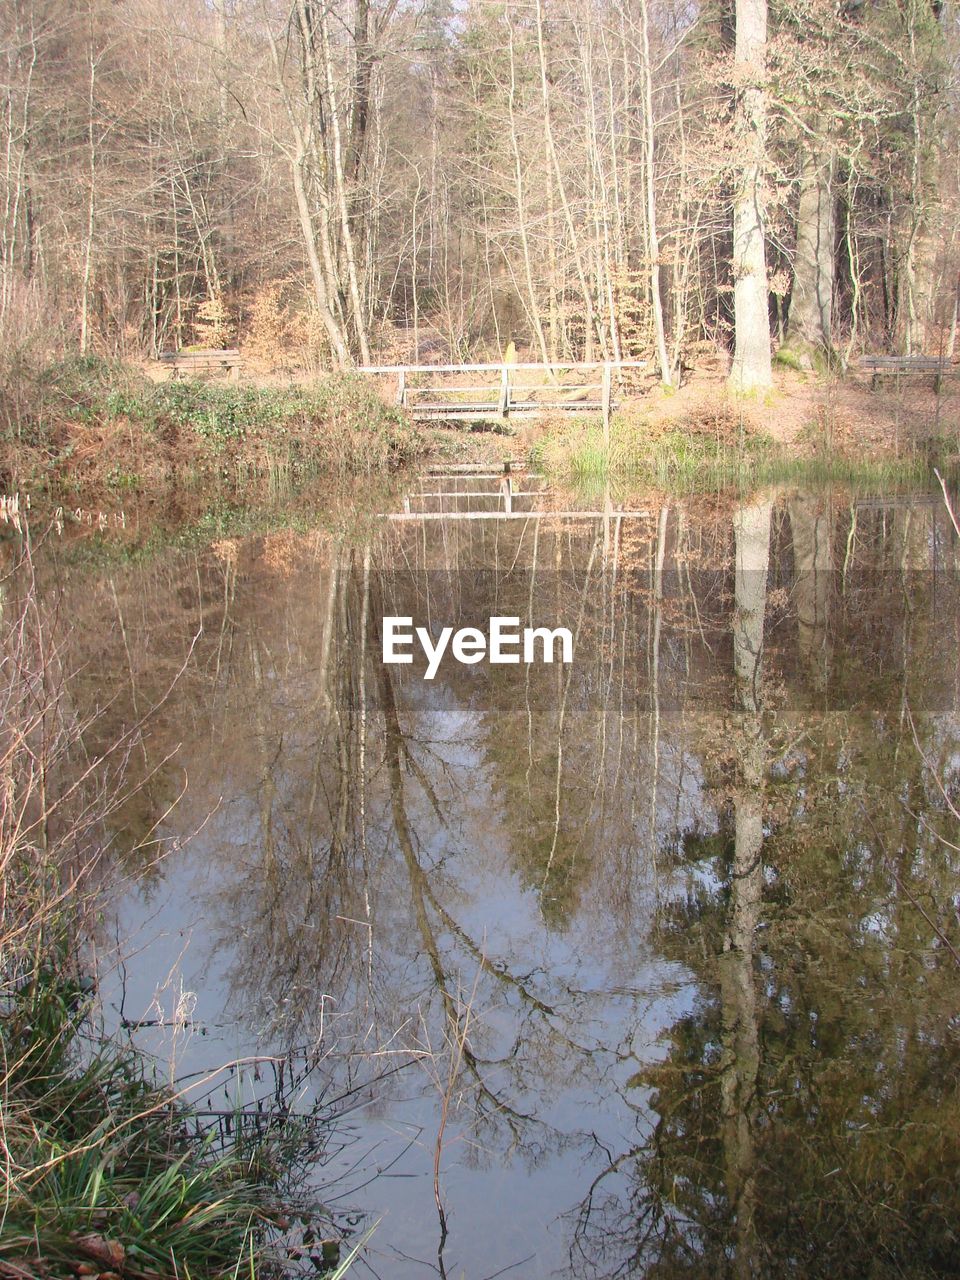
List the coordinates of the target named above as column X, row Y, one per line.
column 694, row 460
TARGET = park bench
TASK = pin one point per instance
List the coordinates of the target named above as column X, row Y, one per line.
column 184, row 364
column 884, row 366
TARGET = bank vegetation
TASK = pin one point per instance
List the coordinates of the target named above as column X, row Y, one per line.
column 108, row 1169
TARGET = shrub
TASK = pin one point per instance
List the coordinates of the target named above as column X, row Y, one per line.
column 93, row 420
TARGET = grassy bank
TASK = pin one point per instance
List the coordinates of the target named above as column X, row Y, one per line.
column 711, row 453
column 87, row 432
column 100, row 1171
column 109, row 1175
column 89, row 427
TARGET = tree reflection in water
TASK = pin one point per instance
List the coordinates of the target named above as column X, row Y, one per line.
column 805, row 1119
column 680, row 914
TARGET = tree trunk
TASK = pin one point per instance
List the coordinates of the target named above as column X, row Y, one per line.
column 952, row 332
column 589, row 316
column 653, row 243
column 300, row 156
column 751, row 358
column 809, row 328
column 338, row 345
column 91, row 209
column 535, row 318
column 340, row 195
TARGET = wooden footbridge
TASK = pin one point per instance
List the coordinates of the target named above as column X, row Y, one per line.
column 497, row 392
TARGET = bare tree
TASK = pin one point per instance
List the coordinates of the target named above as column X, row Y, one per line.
column 751, row 357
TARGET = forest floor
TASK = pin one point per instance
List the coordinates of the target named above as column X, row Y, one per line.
column 806, row 411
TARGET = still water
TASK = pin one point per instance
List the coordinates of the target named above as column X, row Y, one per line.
column 643, row 965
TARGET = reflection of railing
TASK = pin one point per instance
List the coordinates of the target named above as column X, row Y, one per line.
column 446, row 499
column 449, row 496
column 500, row 390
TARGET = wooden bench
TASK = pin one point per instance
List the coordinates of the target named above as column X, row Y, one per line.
column 184, row 364
column 881, row 366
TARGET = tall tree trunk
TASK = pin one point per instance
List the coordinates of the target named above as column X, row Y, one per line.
column 653, row 243
column 91, row 208
column 18, row 250
column 590, row 322
column 952, row 331
column 922, row 235
column 362, row 83
column 751, row 357
column 340, row 195
column 809, row 328
column 534, row 306
column 338, row 345
column 303, row 159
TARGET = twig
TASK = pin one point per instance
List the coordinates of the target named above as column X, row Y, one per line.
column 456, row 1058
column 946, row 499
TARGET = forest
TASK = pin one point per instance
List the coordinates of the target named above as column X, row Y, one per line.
column 333, row 184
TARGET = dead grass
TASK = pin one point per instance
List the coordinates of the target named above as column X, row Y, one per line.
column 805, row 416
column 805, row 412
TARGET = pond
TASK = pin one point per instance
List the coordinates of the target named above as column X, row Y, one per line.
column 642, row 964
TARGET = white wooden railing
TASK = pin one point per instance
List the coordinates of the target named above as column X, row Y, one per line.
column 508, row 389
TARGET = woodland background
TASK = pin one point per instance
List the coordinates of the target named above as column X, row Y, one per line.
column 382, row 179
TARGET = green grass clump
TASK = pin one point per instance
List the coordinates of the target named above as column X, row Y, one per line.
column 106, row 1169
column 100, row 1167
column 677, row 458
column 704, row 456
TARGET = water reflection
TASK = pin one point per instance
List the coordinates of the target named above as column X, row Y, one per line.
column 664, row 941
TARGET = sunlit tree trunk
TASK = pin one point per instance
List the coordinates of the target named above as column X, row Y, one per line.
column 952, row 326
column 534, row 308
column 17, row 224
column 589, row 316
column 751, row 357
column 91, row 206
column 653, row 243
column 340, row 195
column 302, row 154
